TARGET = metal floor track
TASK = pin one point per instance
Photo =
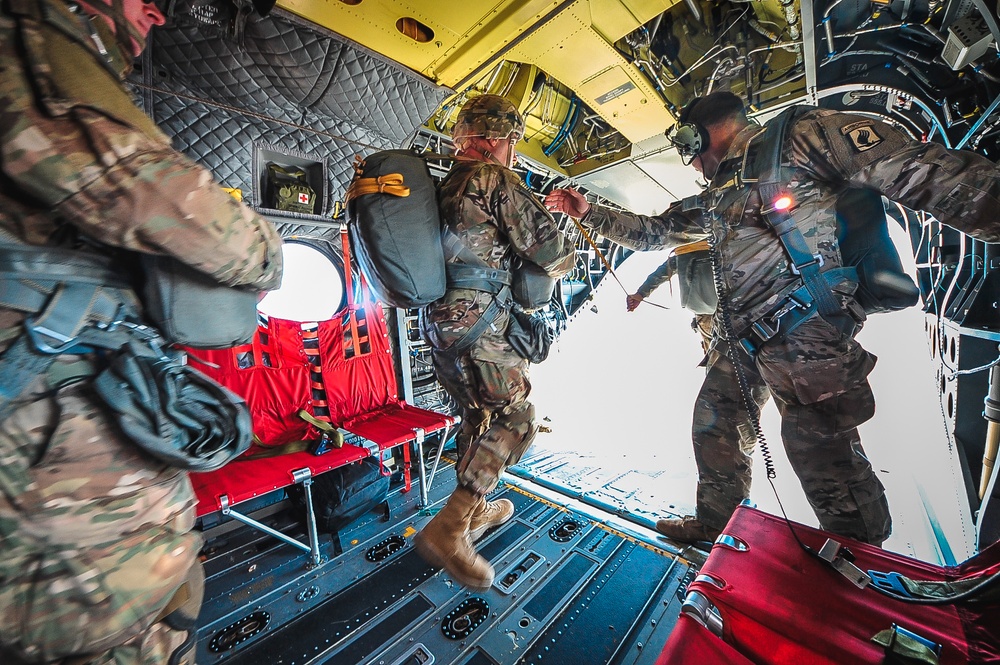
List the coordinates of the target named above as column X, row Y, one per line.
column 571, row 587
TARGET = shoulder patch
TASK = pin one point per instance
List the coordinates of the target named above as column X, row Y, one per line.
column 862, row 135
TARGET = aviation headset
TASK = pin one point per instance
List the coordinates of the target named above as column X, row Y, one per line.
column 691, row 138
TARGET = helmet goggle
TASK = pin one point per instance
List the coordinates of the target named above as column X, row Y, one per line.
column 688, row 140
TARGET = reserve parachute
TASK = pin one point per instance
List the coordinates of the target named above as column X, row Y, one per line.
column 395, row 228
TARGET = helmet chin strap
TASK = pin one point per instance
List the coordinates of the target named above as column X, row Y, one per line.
column 481, row 149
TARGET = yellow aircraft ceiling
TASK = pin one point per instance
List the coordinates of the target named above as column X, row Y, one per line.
column 456, row 42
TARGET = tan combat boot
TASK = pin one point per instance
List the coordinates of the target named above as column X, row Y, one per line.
column 688, row 529
column 445, row 542
column 489, row 514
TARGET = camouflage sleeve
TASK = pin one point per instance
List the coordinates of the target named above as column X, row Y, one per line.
column 532, row 231
column 656, row 278
column 173, row 206
column 641, row 232
column 960, row 188
column 131, row 190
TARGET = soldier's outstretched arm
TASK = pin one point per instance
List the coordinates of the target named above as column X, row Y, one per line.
column 960, row 188
column 656, row 278
column 126, row 186
column 641, row 232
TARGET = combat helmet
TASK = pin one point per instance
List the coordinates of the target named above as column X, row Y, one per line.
column 489, row 116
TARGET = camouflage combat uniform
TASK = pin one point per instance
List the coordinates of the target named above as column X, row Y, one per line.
column 94, row 535
column 817, row 375
column 496, row 217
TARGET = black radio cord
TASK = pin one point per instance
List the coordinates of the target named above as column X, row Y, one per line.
column 753, row 411
column 753, row 415
column 734, row 348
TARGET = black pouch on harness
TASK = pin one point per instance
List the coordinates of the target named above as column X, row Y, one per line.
column 343, row 495
column 529, row 335
column 863, row 234
column 531, row 286
column 193, row 309
column 172, row 411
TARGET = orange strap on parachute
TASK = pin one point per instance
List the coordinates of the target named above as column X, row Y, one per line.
column 391, row 183
column 697, row 246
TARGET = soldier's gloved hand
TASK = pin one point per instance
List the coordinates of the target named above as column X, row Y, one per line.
column 632, row 301
column 568, row 201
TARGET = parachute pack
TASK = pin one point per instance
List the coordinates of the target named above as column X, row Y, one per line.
column 401, row 244
column 395, row 228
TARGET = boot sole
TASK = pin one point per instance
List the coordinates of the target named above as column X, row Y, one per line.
column 428, row 554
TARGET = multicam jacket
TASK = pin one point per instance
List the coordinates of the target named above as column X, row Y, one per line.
column 825, row 152
column 75, row 151
column 497, row 218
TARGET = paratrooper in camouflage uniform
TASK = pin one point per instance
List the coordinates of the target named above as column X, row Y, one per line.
column 495, row 216
column 96, row 547
column 817, row 375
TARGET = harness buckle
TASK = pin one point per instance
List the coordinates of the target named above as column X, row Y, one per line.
column 37, row 332
column 817, row 259
column 792, row 303
column 762, row 330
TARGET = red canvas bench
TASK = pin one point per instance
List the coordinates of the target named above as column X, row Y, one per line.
column 340, row 373
column 242, row 480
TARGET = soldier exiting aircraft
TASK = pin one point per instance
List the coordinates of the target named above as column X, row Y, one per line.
column 495, row 219
column 791, row 314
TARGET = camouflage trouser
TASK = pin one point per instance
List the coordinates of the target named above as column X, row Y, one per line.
column 819, row 381
column 94, row 539
column 490, row 383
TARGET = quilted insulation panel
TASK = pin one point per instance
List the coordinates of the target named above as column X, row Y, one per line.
column 286, row 88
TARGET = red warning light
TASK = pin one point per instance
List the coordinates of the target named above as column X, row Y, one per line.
column 783, row 202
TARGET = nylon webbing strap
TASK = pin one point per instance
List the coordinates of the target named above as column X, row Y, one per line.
column 771, row 187
column 21, row 365
column 474, row 273
column 352, row 313
column 490, row 280
column 795, row 309
column 455, row 248
column 500, row 302
column 64, row 293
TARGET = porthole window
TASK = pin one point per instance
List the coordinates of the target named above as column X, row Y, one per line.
column 414, row 29
column 312, row 285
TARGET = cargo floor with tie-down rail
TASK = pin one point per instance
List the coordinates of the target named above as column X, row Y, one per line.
column 571, row 587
